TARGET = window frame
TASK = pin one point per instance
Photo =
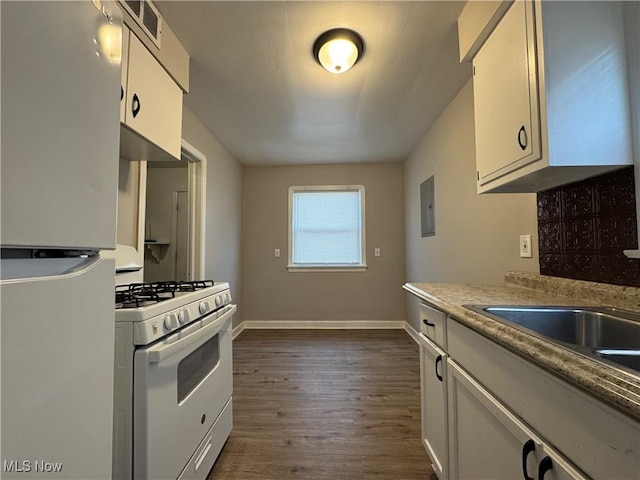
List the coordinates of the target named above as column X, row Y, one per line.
column 362, row 266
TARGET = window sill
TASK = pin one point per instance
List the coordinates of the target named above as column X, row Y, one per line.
column 327, row 268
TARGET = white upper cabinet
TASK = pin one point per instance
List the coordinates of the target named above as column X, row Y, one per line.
column 152, row 108
column 506, row 94
column 551, row 99
column 123, row 73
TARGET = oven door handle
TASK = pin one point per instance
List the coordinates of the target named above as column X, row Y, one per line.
column 160, row 352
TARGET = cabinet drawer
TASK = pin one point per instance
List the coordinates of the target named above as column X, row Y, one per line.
column 433, row 325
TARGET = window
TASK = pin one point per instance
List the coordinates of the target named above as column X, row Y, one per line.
column 327, row 228
column 193, row 368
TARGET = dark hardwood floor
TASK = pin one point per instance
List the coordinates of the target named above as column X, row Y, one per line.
column 325, row 404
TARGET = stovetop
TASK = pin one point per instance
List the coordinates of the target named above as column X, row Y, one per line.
column 137, row 295
column 157, row 309
column 138, row 302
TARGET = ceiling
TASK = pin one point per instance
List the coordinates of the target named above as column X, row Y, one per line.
column 255, row 83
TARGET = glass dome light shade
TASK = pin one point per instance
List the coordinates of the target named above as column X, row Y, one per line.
column 338, row 56
column 338, row 50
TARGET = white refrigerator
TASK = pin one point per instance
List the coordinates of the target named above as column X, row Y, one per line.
column 60, row 81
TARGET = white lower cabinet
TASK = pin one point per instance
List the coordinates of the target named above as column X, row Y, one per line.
column 498, row 400
column 490, row 414
column 487, row 441
column 433, row 384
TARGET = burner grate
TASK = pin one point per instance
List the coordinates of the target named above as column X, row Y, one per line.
column 194, row 285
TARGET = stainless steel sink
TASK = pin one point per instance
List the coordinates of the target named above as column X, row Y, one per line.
column 607, row 334
column 627, row 358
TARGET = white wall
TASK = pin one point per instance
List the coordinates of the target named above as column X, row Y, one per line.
column 223, row 207
column 273, row 293
column 477, row 236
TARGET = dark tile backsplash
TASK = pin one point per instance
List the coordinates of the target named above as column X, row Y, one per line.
column 584, row 227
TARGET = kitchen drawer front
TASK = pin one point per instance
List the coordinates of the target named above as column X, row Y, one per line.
column 433, row 325
column 207, row 452
column 599, row 440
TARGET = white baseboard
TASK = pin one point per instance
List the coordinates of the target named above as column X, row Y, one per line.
column 237, row 330
column 319, row 324
column 412, row 332
column 324, row 324
column 327, row 324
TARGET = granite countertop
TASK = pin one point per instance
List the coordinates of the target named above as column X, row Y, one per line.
column 615, row 386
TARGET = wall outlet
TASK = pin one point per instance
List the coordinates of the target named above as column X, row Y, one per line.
column 525, row 246
column 376, row 251
column 276, row 253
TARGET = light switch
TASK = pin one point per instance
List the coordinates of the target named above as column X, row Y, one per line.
column 376, row 252
column 525, row 246
column 276, row 253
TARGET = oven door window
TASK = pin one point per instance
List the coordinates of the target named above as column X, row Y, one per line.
column 196, row 366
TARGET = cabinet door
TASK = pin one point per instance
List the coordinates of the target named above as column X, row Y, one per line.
column 433, row 375
column 506, row 96
column 124, row 73
column 154, row 100
column 487, row 441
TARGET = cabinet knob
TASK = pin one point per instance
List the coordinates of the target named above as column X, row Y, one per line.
column 438, row 376
column 135, row 105
column 545, row 465
column 522, row 138
column 527, row 448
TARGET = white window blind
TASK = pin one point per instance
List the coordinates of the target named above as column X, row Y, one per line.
column 326, row 226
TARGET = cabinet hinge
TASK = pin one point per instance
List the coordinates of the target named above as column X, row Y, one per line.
column 474, row 69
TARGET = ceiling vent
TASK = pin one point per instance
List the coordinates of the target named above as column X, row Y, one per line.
column 146, row 16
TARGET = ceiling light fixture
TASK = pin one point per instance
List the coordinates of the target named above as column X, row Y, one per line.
column 338, row 50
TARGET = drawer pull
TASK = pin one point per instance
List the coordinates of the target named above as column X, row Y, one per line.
column 438, row 376
column 427, row 323
column 545, row 465
column 527, row 448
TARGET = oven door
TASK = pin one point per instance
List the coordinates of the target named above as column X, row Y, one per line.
column 181, row 384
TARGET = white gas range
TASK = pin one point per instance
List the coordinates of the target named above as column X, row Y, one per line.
column 173, row 378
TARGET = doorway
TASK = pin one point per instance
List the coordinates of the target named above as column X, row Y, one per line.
column 174, row 218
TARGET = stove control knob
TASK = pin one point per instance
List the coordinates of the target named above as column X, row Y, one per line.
column 227, row 297
column 204, row 307
column 183, row 316
column 219, row 300
column 170, row 321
